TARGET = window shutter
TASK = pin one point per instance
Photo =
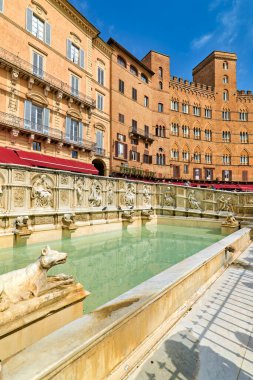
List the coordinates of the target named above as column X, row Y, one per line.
column 125, row 151
column 130, row 155
column 40, row 66
column 27, row 114
column 47, row 33
column 200, row 173
column 138, row 157
column 1, row 5
column 80, row 135
column 102, row 77
column 29, row 19
column 116, row 149
column 82, row 58
column 230, row 175
column 68, row 126
column 69, row 45
column 124, row 138
column 150, row 159
column 46, row 120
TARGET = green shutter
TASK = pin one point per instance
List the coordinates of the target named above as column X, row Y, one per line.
column 29, row 19
column 46, row 121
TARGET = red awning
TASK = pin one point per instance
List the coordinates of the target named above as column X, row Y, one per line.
column 20, row 157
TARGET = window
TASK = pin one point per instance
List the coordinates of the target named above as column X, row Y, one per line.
column 174, row 154
column 99, row 142
column 146, row 130
column 160, row 107
column 120, row 150
column 244, row 175
column 186, row 169
column 225, row 79
column 244, row 138
column 160, row 72
column 226, row 159
column 74, row 130
column 37, row 65
column 208, row 113
column 37, row 27
column 135, row 142
column 36, row 146
column 74, row 85
column 196, row 110
column 36, row 118
column 1, row 5
column 133, row 70
column 185, row 108
column 121, row 86
column 134, row 156
column 134, row 94
column 197, row 157
column 144, row 78
column 197, row 133
column 160, row 131
column 134, row 125
column 160, row 85
column 226, row 115
column 226, row 175
column 225, row 95
column 174, row 129
column 243, row 116
column 100, row 102
column 225, row 65
column 160, row 159
column 208, row 158
column 74, row 154
column 186, row 131
column 101, row 76
column 121, row 137
column 147, row 159
column 197, row 174
column 209, row 174
column 208, row 135
column 121, row 61
column 226, row 136
column 174, row 105
column 146, row 101
column 185, row 155
column 244, row 160
column 75, row 54
column 121, row 118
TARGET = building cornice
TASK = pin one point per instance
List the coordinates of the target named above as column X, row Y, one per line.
column 215, row 55
column 102, row 46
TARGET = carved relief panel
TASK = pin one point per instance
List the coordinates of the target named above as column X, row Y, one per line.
column 42, row 192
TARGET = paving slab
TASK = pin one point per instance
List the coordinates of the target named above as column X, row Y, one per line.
column 214, row 340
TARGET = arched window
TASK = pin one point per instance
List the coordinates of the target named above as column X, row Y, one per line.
column 225, row 65
column 197, row 133
column 197, row 156
column 144, row 78
column 208, row 158
column 186, row 131
column 225, row 79
column 225, row 95
column 244, row 138
column 226, row 159
column 226, row 136
column 133, row 70
column 160, row 85
column 244, row 158
column 160, row 107
column 208, row 134
column 160, row 72
column 121, row 61
column 174, row 129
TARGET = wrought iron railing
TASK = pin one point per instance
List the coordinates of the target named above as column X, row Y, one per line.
column 22, row 65
column 100, row 151
column 40, row 129
column 141, row 132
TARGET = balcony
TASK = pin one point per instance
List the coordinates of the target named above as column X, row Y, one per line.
column 27, row 70
column 18, row 124
column 99, row 152
column 140, row 133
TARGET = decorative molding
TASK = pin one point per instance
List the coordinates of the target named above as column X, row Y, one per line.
column 38, row 98
column 39, row 6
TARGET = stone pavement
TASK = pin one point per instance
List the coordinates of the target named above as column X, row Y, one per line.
column 214, row 341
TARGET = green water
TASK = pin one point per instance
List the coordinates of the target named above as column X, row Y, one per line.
column 109, row 264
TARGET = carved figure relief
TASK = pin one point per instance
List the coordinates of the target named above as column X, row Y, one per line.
column 79, row 189
column 230, row 221
column 147, row 195
column 110, row 193
column 130, row 195
column 64, row 180
column 193, row 202
column 169, row 198
column 25, row 283
column 1, row 196
column 42, row 192
column 95, row 197
column 19, row 176
column 64, row 195
column 19, row 197
column 225, row 204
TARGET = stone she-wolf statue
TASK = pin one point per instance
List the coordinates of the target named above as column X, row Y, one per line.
column 32, row 281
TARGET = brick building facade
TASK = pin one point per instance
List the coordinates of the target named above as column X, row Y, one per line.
column 65, row 93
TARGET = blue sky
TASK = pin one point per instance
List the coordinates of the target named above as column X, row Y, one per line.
column 186, row 30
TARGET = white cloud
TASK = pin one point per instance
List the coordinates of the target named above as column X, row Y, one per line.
column 201, row 41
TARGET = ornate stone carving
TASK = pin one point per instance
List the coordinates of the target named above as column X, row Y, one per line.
column 32, row 281
column 64, row 196
column 69, row 222
column 146, row 214
column 110, row 193
column 169, row 198
column 64, row 179
column 230, row 222
column 128, row 216
column 193, row 202
column 19, row 176
column 42, row 192
column 95, row 197
column 18, row 197
column 225, row 204
column 79, row 189
column 21, row 226
column 44, row 220
column 147, row 195
column 130, row 195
